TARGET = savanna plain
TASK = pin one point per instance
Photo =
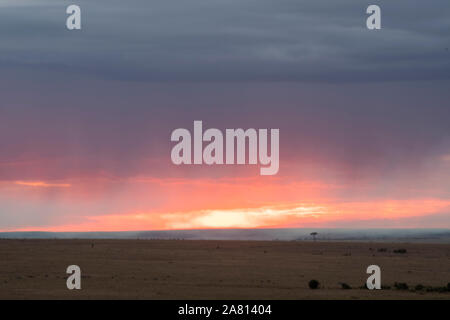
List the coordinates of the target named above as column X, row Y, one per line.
column 207, row 269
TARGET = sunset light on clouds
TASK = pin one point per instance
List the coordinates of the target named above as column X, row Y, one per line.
column 42, row 184
column 136, row 204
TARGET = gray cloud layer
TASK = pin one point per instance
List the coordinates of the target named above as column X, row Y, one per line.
column 231, row 40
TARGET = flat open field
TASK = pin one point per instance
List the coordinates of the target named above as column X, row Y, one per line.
column 171, row 269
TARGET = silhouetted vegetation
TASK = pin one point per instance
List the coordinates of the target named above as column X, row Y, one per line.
column 438, row 289
column 382, row 250
column 400, row 251
column 401, row 286
column 419, row 287
column 345, row 286
column 313, row 284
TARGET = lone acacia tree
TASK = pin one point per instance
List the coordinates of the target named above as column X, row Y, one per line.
column 314, row 234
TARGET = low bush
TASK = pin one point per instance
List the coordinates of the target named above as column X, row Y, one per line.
column 313, row 284
column 437, row 289
column 401, row 286
column 345, row 286
column 419, row 287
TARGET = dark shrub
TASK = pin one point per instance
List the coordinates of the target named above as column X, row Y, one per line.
column 401, row 286
column 441, row 289
column 437, row 289
column 400, row 251
column 345, row 286
column 382, row 250
column 419, row 287
column 313, row 284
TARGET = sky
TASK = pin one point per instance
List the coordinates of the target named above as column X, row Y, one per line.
column 86, row 116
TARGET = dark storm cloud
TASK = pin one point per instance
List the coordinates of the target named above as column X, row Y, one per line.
column 53, row 108
column 231, row 40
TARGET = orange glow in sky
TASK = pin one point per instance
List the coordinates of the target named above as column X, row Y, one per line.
column 104, row 202
column 226, row 203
